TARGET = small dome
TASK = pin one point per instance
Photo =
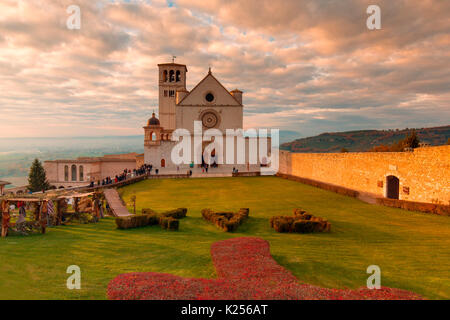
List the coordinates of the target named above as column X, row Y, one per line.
column 153, row 121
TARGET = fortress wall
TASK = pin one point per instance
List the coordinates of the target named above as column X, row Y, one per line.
column 424, row 173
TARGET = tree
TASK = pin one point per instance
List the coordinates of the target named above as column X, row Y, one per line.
column 411, row 141
column 37, row 180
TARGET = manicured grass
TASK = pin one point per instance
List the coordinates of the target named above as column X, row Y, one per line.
column 412, row 249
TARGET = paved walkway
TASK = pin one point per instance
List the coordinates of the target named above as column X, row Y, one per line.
column 115, row 203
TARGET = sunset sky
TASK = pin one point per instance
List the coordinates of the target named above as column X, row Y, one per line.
column 308, row 66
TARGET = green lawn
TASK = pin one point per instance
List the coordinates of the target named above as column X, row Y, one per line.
column 412, row 249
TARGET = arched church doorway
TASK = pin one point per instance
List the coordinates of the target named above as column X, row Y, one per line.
column 163, row 163
column 392, row 187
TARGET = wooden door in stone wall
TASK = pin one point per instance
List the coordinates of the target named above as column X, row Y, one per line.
column 393, row 186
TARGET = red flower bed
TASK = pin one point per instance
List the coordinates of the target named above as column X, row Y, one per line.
column 246, row 271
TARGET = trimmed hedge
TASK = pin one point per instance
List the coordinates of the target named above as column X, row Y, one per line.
column 301, row 222
column 137, row 221
column 167, row 220
column 179, row 213
column 148, row 211
column 169, row 223
column 227, row 221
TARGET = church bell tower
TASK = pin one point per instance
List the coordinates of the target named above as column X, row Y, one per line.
column 172, row 78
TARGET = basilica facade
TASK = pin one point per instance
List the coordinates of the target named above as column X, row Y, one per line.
column 208, row 105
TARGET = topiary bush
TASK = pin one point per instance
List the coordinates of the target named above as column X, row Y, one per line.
column 167, row 220
column 169, row 223
column 179, row 213
column 130, row 222
column 148, row 211
column 227, row 221
column 301, row 222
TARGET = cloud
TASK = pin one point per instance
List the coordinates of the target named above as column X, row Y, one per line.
column 309, row 66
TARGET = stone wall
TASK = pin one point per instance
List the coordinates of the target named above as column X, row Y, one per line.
column 424, row 174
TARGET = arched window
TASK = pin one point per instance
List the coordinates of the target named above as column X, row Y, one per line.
column 153, row 136
column 81, row 169
column 165, row 76
column 178, row 76
column 66, row 173
column 171, row 76
column 74, row 172
column 163, row 163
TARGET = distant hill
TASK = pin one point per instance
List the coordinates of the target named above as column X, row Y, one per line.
column 364, row 140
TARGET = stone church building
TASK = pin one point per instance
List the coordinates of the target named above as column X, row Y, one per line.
column 209, row 103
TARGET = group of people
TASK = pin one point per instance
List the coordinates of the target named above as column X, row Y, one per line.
column 126, row 174
column 144, row 169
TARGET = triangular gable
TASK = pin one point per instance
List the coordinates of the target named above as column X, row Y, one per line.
column 209, row 84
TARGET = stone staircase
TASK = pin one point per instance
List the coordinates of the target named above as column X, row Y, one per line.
column 116, row 205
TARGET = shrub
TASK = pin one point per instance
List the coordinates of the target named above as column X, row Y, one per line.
column 137, row 221
column 207, row 214
column 227, row 221
column 301, row 222
column 167, row 220
column 129, row 222
column 283, row 224
column 169, row 223
column 153, row 219
column 179, row 213
column 304, row 226
column 148, row 211
column 299, row 212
